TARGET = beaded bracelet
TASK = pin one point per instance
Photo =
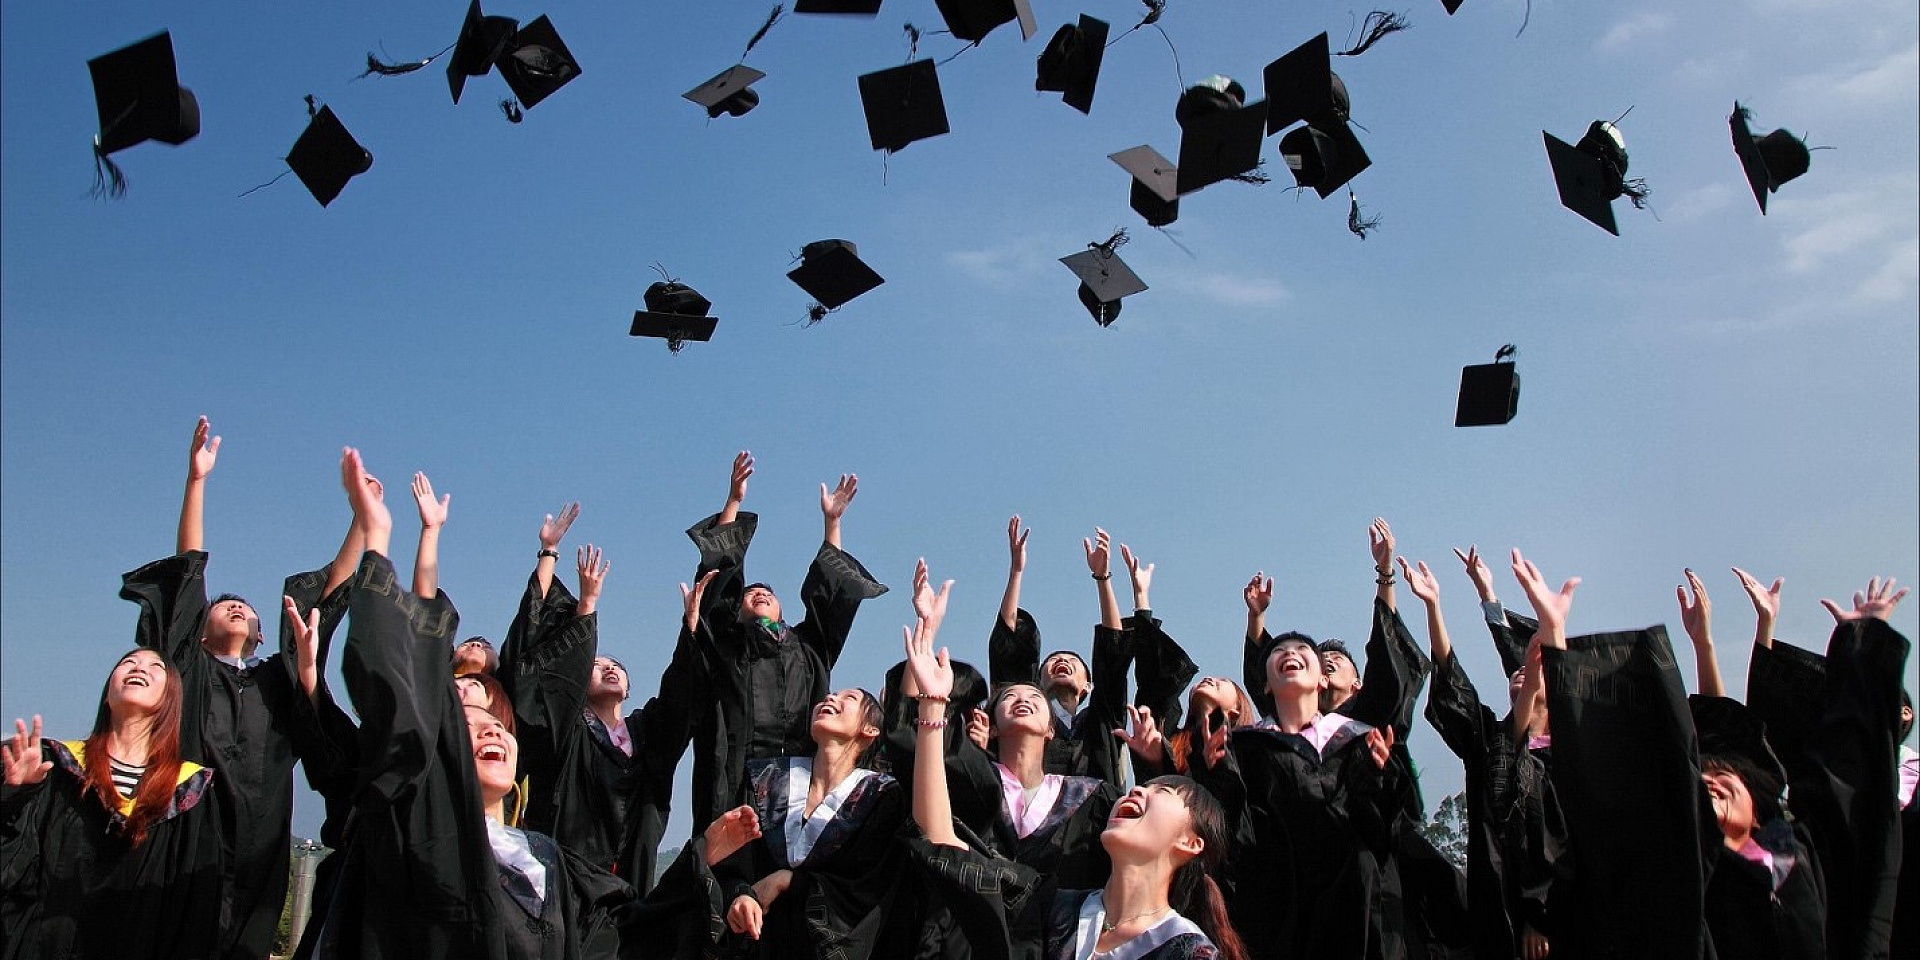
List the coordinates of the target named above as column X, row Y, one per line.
column 929, row 698
column 934, row 724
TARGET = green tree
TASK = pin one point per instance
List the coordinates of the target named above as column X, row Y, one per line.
column 1447, row 830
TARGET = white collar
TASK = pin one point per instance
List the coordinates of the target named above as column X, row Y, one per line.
column 804, row 831
column 1094, row 912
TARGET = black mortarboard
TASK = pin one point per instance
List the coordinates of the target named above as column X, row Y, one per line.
column 1301, row 85
column 1592, row 175
column 1453, row 6
column 1220, row 144
column 729, row 92
column 676, row 313
column 862, row 7
column 972, row 20
column 1104, row 278
column 831, row 272
column 1769, row 161
column 536, row 63
column 140, row 98
column 1071, row 62
column 903, row 105
column 1324, row 159
column 1146, row 203
column 1489, row 392
column 482, row 40
column 1155, row 194
column 326, row 156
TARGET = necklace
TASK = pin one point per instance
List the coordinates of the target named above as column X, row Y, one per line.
column 1107, row 926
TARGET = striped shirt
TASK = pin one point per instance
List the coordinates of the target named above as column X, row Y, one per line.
column 126, row 777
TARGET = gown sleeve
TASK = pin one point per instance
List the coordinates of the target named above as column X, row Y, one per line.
column 1106, row 708
column 723, row 548
column 324, row 736
column 1161, row 671
column 998, row 905
column 835, row 586
column 1455, row 712
column 1395, row 672
column 172, row 597
column 395, row 669
column 1013, row 655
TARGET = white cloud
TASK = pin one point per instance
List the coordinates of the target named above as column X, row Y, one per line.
column 1890, row 82
column 1700, row 203
column 1232, row 290
column 1626, row 32
column 1848, row 223
column 1004, row 265
column 1896, row 277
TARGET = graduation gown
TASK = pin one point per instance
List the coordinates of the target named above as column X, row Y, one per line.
column 752, row 688
column 419, row 878
column 1085, row 747
column 581, row 785
column 72, row 886
column 1626, row 771
column 250, row 723
column 1833, row 721
column 1515, row 831
column 845, row 859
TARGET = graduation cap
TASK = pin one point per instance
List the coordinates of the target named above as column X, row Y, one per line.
column 676, row 313
column 1593, row 173
column 832, row 273
column 972, row 20
column 1768, row 161
column 1104, row 278
column 866, row 8
column 903, row 105
column 1070, row 64
column 1219, row 138
column 139, row 98
column 482, row 40
column 326, row 156
column 1489, row 392
column 535, row 63
column 730, row 92
column 1155, row 194
column 1301, row 85
column 1324, row 158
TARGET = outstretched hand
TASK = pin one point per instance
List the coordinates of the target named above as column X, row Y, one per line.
column 1766, row 600
column 1477, row 571
column 202, row 454
column 592, row 568
column 732, row 830
column 1380, row 746
column 1099, row 551
column 1380, row 542
column 834, row 502
column 979, row 728
column 932, row 673
column 1696, row 615
column 20, row 754
column 1258, row 592
column 690, row 599
column 1017, row 545
column 1141, row 574
column 306, row 632
column 742, row 469
column 433, row 513
column 1142, row 735
column 1876, row 602
column 1549, row 607
column 366, row 496
column 554, row 529
column 1421, row 582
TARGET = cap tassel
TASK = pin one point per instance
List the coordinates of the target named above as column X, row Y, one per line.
column 1375, row 28
column 1357, row 224
column 1636, row 191
column 108, row 181
column 1257, row 176
column 1504, row 352
column 510, row 108
column 816, row 312
column 1113, row 243
column 779, row 12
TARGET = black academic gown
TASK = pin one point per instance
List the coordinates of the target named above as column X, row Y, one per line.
column 418, row 877
column 1085, row 747
column 1834, row 721
column 1065, row 847
column 1515, row 831
column 753, row 688
column 1626, row 771
column 581, row 786
column 834, row 906
column 71, row 886
column 249, row 723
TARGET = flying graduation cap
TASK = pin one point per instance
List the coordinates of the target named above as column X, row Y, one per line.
column 1301, row 86
column 1768, row 161
column 1591, row 174
column 1489, row 392
column 675, row 313
column 903, row 104
column 1104, row 278
column 730, row 92
column 832, row 273
column 139, row 98
column 536, row 63
column 482, row 40
column 1155, row 194
column 864, row 8
column 1219, row 134
column 972, row 20
column 1070, row 65
column 326, row 156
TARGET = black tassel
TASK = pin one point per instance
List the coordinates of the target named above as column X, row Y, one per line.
column 1504, row 352
column 675, row 342
column 1636, row 191
column 1112, row 243
column 1356, row 224
column 1154, row 9
column 313, row 107
column 779, row 11
column 816, row 312
column 108, row 181
column 511, row 109
column 269, row 183
column 377, row 67
column 1375, row 28
column 1256, row 176
column 913, row 41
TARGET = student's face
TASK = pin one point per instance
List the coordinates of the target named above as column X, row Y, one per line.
column 231, row 621
column 759, row 602
column 1149, row 821
column 138, row 683
column 1732, row 804
column 473, row 656
column 1022, row 709
column 495, row 753
column 609, row 679
column 843, row 716
column 1294, row 667
column 1343, row 678
column 473, row 693
column 1216, row 693
column 1063, row 672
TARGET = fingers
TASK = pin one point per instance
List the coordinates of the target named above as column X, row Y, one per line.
column 1833, row 608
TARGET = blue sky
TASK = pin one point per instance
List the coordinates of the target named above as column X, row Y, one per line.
column 1712, row 388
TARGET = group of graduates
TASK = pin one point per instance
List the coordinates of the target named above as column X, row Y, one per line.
column 507, row 808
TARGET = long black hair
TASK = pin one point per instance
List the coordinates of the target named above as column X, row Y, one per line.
column 1193, row 892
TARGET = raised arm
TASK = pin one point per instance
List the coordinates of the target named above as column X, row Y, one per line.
column 593, row 577
column 552, row 530
column 1421, row 582
column 834, row 504
column 201, row 454
column 1550, row 607
column 306, row 642
column 1697, row 617
column 1100, row 563
column 1259, row 595
column 1016, row 565
column 433, row 516
column 737, row 487
column 1380, row 542
column 933, row 679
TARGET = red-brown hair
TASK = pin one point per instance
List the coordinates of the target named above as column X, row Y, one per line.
column 498, row 703
column 162, row 775
column 1180, row 745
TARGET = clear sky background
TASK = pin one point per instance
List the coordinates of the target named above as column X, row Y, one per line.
column 1712, row 388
